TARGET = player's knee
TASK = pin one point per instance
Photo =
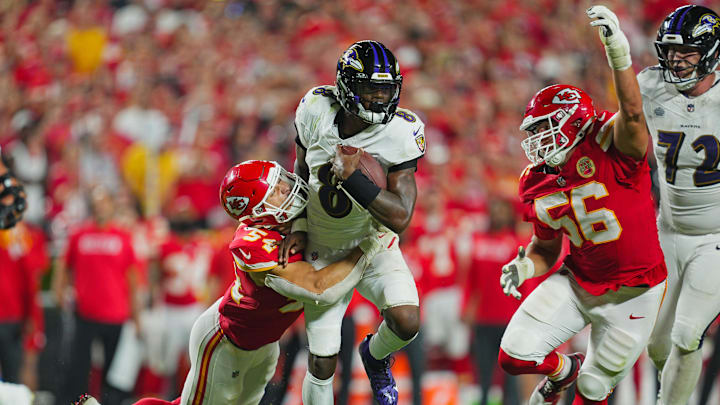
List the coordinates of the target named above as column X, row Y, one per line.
column 512, row 365
column 686, row 336
column 593, row 387
column 404, row 320
column 322, row 367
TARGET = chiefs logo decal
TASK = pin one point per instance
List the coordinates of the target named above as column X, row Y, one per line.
column 566, row 96
column 236, row 205
column 585, row 167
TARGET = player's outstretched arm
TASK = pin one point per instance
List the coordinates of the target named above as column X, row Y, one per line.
column 300, row 281
column 630, row 134
column 539, row 257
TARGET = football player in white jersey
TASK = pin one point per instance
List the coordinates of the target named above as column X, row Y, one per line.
column 344, row 206
column 681, row 100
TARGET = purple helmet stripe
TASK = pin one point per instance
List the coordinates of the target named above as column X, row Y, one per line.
column 387, row 65
column 682, row 18
column 377, row 62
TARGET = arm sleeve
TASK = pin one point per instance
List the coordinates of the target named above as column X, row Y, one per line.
column 330, row 296
column 410, row 164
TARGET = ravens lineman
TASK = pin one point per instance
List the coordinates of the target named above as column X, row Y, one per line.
column 362, row 111
column 681, row 100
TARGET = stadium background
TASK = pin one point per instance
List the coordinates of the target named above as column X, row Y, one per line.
column 155, row 99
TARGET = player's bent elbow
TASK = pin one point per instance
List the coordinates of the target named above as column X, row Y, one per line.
column 398, row 224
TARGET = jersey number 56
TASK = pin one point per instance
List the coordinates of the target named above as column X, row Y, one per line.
column 598, row 226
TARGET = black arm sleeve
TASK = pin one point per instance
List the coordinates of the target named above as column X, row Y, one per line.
column 405, row 165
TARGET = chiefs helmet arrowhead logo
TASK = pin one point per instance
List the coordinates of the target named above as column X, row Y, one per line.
column 567, row 96
column 236, row 205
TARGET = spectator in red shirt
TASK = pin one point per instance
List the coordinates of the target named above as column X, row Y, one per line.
column 22, row 259
column 99, row 258
column 486, row 307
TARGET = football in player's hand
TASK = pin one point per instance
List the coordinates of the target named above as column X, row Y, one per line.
column 369, row 166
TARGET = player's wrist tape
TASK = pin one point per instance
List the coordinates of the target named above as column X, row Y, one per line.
column 299, row 225
column 362, row 189
column 619, row 58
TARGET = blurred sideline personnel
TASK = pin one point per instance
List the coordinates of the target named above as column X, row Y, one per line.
column 590, row 180
column 345, row 207
column 100, row 263
column 234, row 344
column 682, row 103
column 485, row 309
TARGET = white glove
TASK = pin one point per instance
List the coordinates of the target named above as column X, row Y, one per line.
column 617, row 47
column 515, row 273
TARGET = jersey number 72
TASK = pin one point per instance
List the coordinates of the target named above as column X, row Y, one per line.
column 707, row 173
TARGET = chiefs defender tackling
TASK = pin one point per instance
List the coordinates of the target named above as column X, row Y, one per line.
column 234, row 344
column 589, row 180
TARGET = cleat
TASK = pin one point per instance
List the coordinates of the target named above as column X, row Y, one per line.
column 548, row 391
column 378, row 371
column 86, row 399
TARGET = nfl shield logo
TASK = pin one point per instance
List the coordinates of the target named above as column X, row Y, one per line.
column 691, row 107
column 314, row 256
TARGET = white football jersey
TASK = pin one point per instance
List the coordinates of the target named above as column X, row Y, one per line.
column 686, row 140
column 334, row 218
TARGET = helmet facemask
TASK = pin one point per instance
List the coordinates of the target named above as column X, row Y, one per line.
column 350, row 91
column 550, row 145
column 706, row 65
column 293, row 204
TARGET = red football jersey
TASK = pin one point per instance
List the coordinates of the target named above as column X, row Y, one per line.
column 185, row 265
column 437, row 259
column 253, row 315
column 490, row 251
column 601, row 200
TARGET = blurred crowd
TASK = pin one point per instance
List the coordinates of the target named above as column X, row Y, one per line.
column 144, row 104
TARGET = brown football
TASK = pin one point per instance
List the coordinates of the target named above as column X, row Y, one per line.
column 369, row 166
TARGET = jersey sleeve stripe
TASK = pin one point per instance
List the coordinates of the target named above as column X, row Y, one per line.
column 604, row 136
column 262, row 266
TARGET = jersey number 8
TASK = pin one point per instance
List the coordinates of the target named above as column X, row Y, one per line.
column 333, row 200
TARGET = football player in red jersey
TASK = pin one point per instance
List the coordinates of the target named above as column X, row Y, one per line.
column 589, row 179
column 234, row 344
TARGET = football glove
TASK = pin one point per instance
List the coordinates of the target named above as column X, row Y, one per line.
column 617, row 47
column 12, row 201
column 515, row 273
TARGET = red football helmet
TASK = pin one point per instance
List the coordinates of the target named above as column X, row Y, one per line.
column 246, row 187
column 568, row 112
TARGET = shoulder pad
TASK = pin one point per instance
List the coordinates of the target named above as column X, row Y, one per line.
column 255, row 249
column 407, row 123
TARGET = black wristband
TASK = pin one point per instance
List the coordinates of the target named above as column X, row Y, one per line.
column 362, row 189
